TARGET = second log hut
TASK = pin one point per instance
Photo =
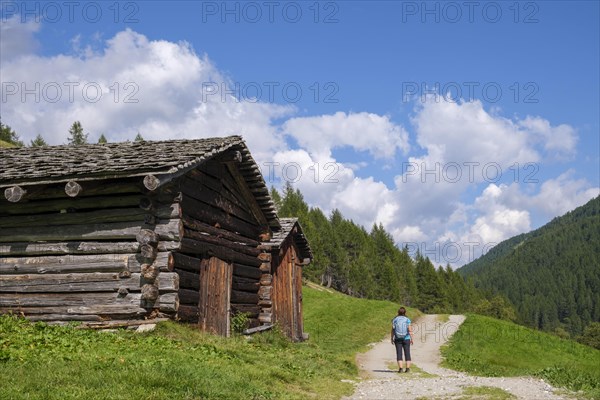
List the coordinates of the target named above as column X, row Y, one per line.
column 114, row 234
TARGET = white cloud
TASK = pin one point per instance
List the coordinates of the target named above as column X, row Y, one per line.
column 18, row 38
column 559, row 141
column 154, row 87
column 361, row 131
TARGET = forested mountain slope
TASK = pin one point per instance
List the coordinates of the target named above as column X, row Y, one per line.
column 368, row 264
column 551, row 274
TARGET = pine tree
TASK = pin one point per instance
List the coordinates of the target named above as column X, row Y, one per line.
column 38, row 141
column 139, row 138
column 102, row 139
column 77, row 136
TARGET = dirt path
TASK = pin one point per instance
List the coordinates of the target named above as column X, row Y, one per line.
column 380, row 379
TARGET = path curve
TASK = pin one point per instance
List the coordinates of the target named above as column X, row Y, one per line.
column 380, row 382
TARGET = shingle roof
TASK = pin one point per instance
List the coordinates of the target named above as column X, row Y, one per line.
column 287, row 228
column 170, row 158
column 58, row 163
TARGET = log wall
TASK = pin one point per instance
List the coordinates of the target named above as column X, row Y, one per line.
column 89, row 251
column 220, row 234
column 114, row 250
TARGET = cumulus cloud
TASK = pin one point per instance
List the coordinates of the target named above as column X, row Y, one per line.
column 559, row 141
column 154, row 87
column 18, row 38
column 361, row 131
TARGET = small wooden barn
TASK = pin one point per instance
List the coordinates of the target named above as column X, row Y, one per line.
column 123, row 233
column 289, row 253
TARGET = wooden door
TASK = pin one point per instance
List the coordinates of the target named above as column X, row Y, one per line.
column 215, row 294
column 287, row 294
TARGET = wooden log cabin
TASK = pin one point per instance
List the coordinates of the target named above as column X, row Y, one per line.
column 126, row 233
column 280, row 293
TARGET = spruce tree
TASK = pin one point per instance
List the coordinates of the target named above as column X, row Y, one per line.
column 102, row 139
column 77, row 137
column 38, row 141
column 139, row 138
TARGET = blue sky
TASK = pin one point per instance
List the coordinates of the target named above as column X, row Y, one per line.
column 346, row 88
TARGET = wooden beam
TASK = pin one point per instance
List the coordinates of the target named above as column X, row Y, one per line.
column 82, row 282
column 73, row 189
column 257, row 329
column 196, row 225
column 63, row 248
column 167, row 230
column 151, row 182
column 249, row 197
column 14, row 194
column 192, row 246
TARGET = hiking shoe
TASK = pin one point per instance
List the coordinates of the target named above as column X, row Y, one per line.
column 400, row 370
column 407, row 370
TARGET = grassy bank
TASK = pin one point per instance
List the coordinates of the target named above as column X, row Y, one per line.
column 178, row 362
column 490, row 347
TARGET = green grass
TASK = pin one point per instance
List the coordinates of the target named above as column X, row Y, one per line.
column 4, row 144
column 175, row 361
column 506, row 349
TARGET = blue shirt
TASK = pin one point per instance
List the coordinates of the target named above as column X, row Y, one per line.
column 396, row 324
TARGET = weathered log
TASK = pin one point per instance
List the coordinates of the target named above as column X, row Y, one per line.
column 196, row 225
column 168, row 230
column 92, row 188
column 148, row 251
column 120, row 324
column 65, row 264
column 196, row 247
column 264, row 292
column 73, row 189
column 136, row 261
column 82, row 282
column 149, row 292
column 166, row 301
column 245, row 286
column 187, row 296
column 246, row 271
column 151, row 182
column 266, row 280
column 70, row 204
column 248, row 195
column 212, row 216
column 89, row 217
column 147, row 236
column 206, row 195
column 188, row 280
column 97, row 309
column 67, row 317
column 243, row 297
column 14, row 194
column 216, row 184
column 265, row 303
column 256, row 329
column 265, row 318
column 204, row 237
column 149, row 272
column 265, row 267
column 187, row 313
column 31, row 249
column 184, row 262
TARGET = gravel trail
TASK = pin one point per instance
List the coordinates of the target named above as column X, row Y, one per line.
column 429, row 380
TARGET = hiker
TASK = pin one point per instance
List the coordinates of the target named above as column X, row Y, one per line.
column 402, row 338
